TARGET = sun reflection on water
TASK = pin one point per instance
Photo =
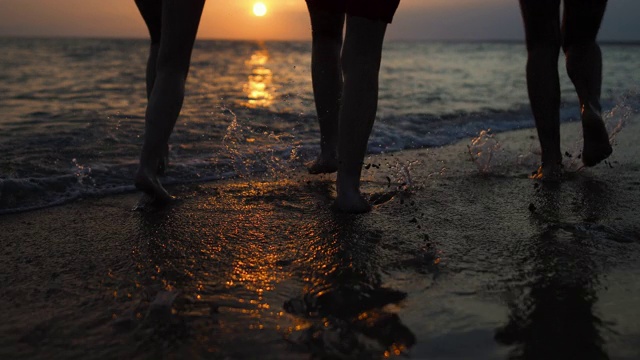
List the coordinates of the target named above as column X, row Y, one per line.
column 271, row 268
column 258, row 88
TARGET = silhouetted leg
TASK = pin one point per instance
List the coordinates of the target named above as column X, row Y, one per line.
column 327, row 84
column 361, row 58
column 151, row 11
column 543, row 37
column 584, row 65
column 180, row 20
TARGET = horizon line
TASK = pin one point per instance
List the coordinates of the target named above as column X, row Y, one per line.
column 452, row 40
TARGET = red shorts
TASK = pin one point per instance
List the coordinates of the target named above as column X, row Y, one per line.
column 371, row 9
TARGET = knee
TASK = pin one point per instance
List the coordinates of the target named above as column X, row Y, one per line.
column 168, row 65
column 583, row 60
column 361, row 60
column 548, row 49
column 543, row 56
column 581, row 49
column 327, row 47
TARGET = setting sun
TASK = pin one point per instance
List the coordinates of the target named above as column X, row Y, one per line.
column 259, row 9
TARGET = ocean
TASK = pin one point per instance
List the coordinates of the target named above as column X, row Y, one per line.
column 474, row 261
column 73, row 109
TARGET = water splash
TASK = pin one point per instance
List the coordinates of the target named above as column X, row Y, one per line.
column 266, row 153
column 233, row 142
column 401, row 175
column 82, row 172
column 615, row 121
column 531, row 158
column 483, row 150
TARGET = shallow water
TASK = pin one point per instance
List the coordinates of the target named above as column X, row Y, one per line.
column 454, row 263
column 73, row 108
column 464, row 266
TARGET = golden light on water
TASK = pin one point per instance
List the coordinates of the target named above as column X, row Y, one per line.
column 258, row 88
column 259, row 9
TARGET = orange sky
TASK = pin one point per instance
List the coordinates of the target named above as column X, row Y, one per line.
column 285, row 19
column 288, row 19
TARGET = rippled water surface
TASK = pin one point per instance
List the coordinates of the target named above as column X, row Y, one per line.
column 72, row 109
column 452, row 263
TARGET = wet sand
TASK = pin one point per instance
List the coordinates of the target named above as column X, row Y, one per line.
column 452, row 263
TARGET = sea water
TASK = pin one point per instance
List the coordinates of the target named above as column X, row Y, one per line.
column 72, row 110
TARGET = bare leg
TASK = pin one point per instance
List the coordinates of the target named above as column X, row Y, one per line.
column 180, row 20
column 361, row 58
column 163, row 161
column 151, row 11
column 584, row 66
column 327, row 85
column 542, row 28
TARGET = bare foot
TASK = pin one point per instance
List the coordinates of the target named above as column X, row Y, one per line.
column 351, row 202
column 150, row 185
column 596, row 140
column 548, row 172
column 323, row 165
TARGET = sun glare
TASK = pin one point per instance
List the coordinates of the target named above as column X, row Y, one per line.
column 259, row 9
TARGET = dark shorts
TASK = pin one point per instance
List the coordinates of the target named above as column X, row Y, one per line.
column 371, row 9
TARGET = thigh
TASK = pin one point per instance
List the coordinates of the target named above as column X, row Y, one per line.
column 541, row 22
column 382, row 10
column 581, row 20
column 180, row 21
column 333, row 6
column 151, row 11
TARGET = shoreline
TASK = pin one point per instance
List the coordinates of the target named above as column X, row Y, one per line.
column 452, row 262
column 292, row 171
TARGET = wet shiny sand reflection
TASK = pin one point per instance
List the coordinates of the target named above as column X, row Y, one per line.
column 274, row 267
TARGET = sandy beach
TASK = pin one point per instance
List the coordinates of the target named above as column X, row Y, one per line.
column 452, row 263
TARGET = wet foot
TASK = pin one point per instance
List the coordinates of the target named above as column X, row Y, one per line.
column 151, row 186
column 352, row 203
column 596, row 140
column 549, row 172
column 323, row 165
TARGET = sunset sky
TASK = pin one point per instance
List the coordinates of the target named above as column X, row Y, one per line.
column 288, row 19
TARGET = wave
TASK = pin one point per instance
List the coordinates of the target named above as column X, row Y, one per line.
column 253, row 144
